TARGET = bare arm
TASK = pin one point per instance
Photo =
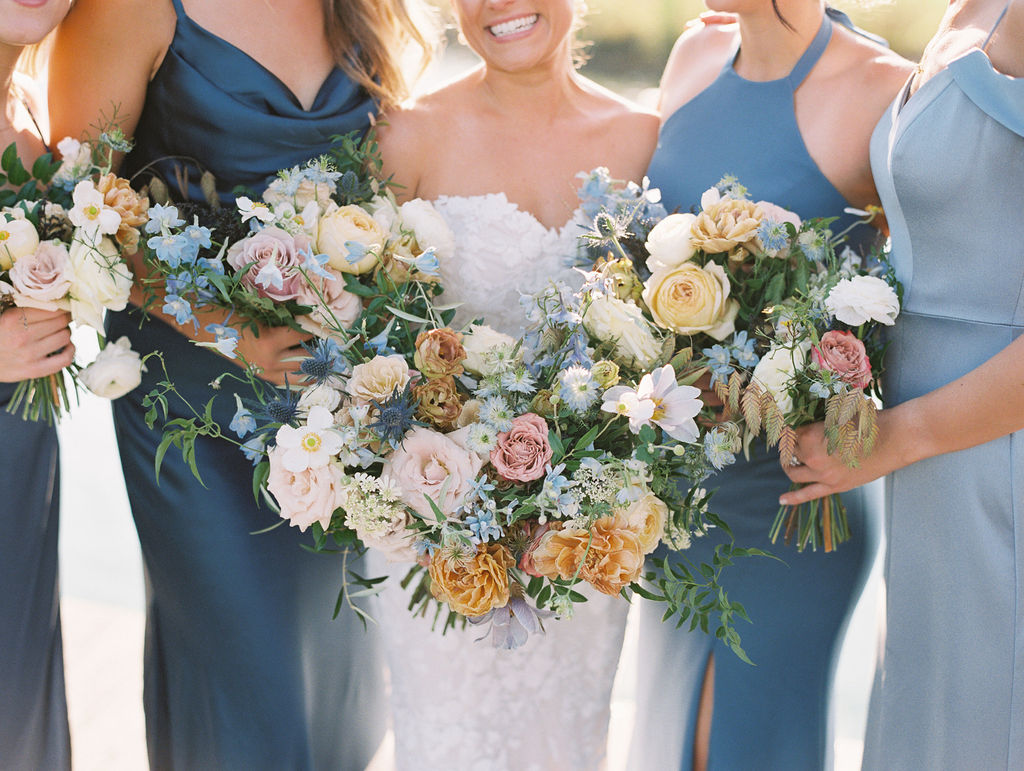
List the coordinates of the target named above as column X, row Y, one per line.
column 984, row 404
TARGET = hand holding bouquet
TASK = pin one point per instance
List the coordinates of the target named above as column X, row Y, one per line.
column 62, row 234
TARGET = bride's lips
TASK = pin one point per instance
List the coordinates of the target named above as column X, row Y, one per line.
column 32, row 3
column 513, row 28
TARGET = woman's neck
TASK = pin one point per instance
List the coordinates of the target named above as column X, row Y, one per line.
column 768, row 48
column 543, row 90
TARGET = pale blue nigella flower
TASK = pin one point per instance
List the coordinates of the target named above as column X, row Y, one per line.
column 518, row 381
column 579, row 390
column 718, row 449
column 773, row 236
column 496, row 412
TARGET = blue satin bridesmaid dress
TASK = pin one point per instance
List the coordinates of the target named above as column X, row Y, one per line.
column 33, row 712
column 949, row 162
column 244, row 667
column 773, row 715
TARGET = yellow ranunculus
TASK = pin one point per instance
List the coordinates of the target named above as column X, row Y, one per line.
column 350, row 223
column 690, row 299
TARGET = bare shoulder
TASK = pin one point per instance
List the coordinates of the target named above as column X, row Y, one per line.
column 695, row 61
column 1005, row 49
column 409, row 134
column 863, row 73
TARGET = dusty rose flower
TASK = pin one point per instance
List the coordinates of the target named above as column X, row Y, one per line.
column 473, row 587
column 338, row 308
column 439, row 352
column 378, row 378
column 133, row 208
column 646, row 517
column 723, row 225
column 428, row 463
column 523, row 451
column 43, row 279
column 265, row 250
column 526, row 563
column 439, row 402
column 614, row 560
column 306, row 496
column 843, row 354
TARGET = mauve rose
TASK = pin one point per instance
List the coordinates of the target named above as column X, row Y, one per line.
column 43, row 279
column 266, row 246
column 523, row 451
column 439, row 352
column 843, row 354
column 305, row 496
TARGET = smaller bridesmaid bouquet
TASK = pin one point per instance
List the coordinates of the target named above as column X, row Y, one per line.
column 63, row 229
column 784, row 330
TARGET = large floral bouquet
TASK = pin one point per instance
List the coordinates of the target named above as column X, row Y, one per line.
column 505, row 472
column 788, row 330
column 63, row 228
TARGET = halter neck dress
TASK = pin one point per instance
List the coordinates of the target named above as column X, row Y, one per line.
column 244, row 667
column 949, row 162
column 34, row 729
column 775, row 714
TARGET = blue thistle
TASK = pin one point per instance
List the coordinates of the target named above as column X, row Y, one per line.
column 395, row 416
column 324, row 361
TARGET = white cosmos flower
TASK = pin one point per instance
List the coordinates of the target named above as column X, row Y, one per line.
column 660, row 400
column 312, row 445
column 249, row 209
column 90, row 213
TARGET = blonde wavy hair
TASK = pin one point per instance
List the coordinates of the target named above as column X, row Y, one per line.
column 372, row 39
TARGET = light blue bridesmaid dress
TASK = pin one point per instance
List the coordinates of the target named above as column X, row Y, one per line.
column 949, row 162
column 33, row 712
column 244, row 667
column 773, row 715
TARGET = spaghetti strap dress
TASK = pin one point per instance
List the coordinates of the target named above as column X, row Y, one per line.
column 774, row 715
column 33, row 711
column 244, row 666
column 949, row 693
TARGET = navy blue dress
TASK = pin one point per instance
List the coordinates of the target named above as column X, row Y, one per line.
column 773, row 715
column 33, row 712
column 244, row 667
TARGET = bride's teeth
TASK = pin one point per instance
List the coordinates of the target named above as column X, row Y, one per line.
column 516, row 25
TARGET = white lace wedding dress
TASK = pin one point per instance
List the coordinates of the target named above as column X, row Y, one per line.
column 459, row 704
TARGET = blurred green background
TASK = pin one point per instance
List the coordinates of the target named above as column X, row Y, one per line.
column 631, row 39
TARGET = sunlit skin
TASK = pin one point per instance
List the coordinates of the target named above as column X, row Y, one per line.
column 987, row 402
column 33, row 343
column 523, row 123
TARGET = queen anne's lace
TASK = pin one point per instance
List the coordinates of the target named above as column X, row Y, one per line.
column 458, row 703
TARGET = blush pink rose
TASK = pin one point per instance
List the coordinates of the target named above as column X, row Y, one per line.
column 277, row 246
column 305, row 496
column 433, row 464
column 43, row 279
column 843, row 354
column 523, row 451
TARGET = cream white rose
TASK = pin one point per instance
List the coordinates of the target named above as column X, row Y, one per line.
column 378, row 378
column 18, row 238
column 670, row 242
column 646, row 517
column 479, row 341
column 775, row 371
column 321, row 395
column 690, row 299
column 861, row 299
column 610, row 319
column 116, row 371
column 101, row 279
column 350, row 223
column 428, row 227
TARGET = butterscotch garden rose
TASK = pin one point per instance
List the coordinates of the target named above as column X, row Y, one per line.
column 473, row 587
column 611, row 554
column 439, row 353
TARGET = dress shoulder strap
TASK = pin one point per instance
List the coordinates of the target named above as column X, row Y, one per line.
column 814, row 51
column 179, row 9
column 999, row 20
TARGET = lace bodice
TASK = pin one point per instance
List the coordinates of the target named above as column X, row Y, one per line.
column 462, row 704
column 502, row 252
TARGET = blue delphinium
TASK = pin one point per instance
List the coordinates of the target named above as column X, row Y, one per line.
column 482, row 525
column 163, row 217
column 179, row 307
column 243, row 422
column 254, row 447
column 225, row 339
column 720, row 362
column 742, row 350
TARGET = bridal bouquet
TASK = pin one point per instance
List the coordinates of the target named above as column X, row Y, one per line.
column 63, row 228
column 788, row 330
